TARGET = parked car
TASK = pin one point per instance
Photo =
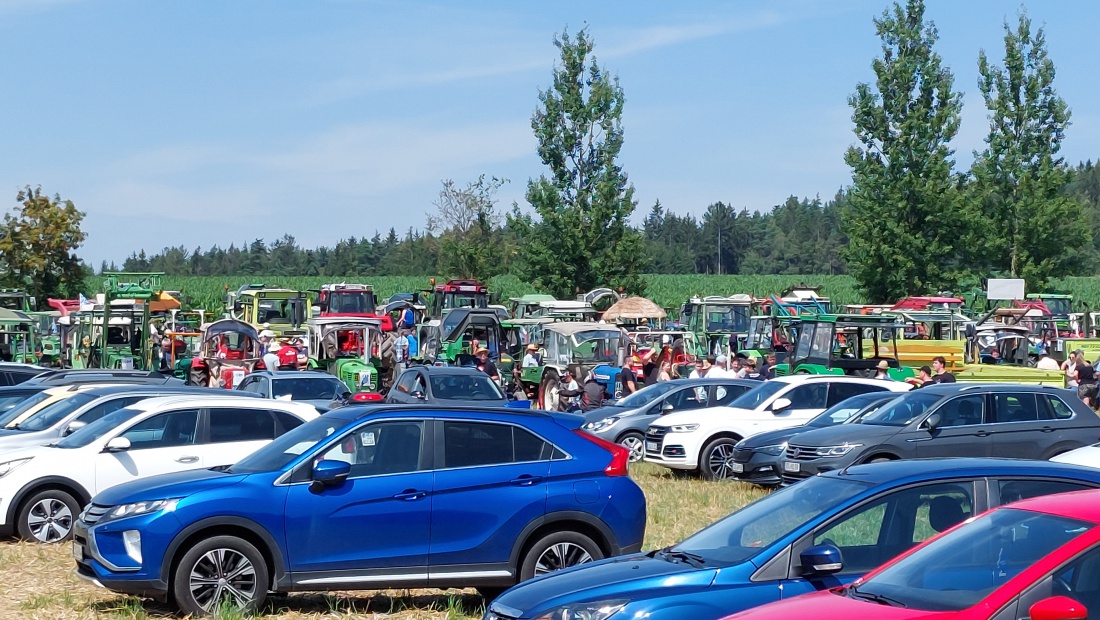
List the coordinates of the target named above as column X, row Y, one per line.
column 445, row 385
column 626, row 421
column 1088, row 456
column 1037, row 559
column 67, row 415
column 368, row 498
column 309, row 386
column 869, row 512
column 11, row 396
column 953, row 419
column 703, row 440
column 59, row 377
column 34, row 403
column 14, row 373
column 43, row 488
column 756, row 458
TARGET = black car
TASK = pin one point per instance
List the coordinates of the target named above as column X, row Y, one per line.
column 756, row 458
column 953, row 419
column 13, row 373
column 445, row 385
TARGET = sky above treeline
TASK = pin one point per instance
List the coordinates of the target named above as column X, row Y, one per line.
column 202, row 123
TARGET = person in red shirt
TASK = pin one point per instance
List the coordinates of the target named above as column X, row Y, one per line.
column 288, row 356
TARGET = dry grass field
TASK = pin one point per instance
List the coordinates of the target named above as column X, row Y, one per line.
column 38, row 580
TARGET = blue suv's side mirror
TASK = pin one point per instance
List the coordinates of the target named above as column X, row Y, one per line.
column 327, row 473
column 821, row 560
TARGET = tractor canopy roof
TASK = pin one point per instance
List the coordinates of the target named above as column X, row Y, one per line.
column 854, row 320
column 458, row 319
column 927, row 303
column 531, row 299
column 326, row 323
column 14, row 317
column 229, row 326
column 461, row 286
column 928, row 316
column 1048, row 296
column 347, row 287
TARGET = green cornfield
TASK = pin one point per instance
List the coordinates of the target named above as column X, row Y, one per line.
column 667, row 290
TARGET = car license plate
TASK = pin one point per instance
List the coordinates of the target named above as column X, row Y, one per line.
column 78, row 551
column 791, row 466
column 651, row 446
column 737, row 468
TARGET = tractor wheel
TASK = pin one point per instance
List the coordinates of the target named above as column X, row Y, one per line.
column 548, row 390
column 385, row 349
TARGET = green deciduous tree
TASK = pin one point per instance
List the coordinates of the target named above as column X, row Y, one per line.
column 582, row 237
column 38, row 243
column 902, row 214
column 470, row 243
column 1031, row 228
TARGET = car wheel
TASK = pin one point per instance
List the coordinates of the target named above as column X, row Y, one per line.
column 717, row 460
column 48, row 517
column 222, row 568
column 634, row 442
column 548, row 390
column 557, row 551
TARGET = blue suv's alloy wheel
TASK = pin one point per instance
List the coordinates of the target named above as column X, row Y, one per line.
column 222, row 568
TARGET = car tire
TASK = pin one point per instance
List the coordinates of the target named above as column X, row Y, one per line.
column 635, row 442
column 557, row 551
column 715, row 460
column 47, row 517
column 548, row 390
column 195, row 581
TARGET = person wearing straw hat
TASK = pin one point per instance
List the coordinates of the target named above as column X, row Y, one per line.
column 531, row 358
column 880, row 371
column 486, row 365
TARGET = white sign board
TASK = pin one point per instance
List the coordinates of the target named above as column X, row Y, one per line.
column 1000, row 289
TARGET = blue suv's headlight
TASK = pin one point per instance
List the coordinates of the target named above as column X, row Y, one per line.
column 140, row 508
column 597, row 610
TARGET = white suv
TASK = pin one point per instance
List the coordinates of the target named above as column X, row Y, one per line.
column 43, row 488
column 703, row 439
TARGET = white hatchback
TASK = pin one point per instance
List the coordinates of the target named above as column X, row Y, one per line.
column 43, row 488
column 702, row 440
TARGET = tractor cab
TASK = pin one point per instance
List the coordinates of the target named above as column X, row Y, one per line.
column 455, row 341
column 846, row 344
column 719, row 324
column 14, row 299
column 18, row 337
column 527, row 306
column 350, row 300
column 580, row 347
column 283, row 311
column 456, row 294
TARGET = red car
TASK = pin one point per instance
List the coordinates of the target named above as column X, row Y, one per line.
column 1038, row 559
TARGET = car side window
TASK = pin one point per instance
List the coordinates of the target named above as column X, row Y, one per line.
column 103, row 409
column 839, row 392
column 164, row 430
column 687, row 399
column 406, row 380
column 1016, row 490
column 1055, row 406
column 809, row 395
column 391, row 447
column 1080, row 581
column 530, row 447
column 248, row 385
column 1009, row 407
column 240, row 424
column 963, row 411
column 889, row 525
column 285, row 422
column 466, row 444
column 724, row 394
column 419, row 385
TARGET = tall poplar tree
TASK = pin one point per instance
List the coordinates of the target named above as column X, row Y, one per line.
column 582, row 238
column 902, row 214
column 1031, row 228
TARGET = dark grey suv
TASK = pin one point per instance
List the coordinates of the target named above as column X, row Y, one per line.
column 956, row 419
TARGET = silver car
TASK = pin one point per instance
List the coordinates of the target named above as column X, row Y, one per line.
column 625, row 422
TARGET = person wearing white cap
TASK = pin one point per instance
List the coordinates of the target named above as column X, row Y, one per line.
column 719, row 370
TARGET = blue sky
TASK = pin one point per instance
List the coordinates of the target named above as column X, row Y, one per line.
column 198, row 123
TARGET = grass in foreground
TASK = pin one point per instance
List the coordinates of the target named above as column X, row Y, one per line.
column 39, row 583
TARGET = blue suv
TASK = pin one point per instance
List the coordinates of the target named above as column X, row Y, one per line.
column 370, row 498
column 817, row 534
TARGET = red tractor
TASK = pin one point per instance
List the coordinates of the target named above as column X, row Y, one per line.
column 351, row 300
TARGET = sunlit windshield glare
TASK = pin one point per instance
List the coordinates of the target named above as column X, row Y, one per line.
column 285, row 449
column 757, row 396
column 903, row 410
column 646, row 395
column 313, row 388
column 54, row 412
column 98, row 429
column 24, row 406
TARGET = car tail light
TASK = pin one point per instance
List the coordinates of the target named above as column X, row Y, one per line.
column 367, row 397
column 620, row 456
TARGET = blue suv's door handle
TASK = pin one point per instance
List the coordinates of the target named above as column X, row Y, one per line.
column 411, row 495
column 526, row 480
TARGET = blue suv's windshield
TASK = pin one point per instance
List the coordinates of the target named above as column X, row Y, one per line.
column 747, row 532
column 284, row 450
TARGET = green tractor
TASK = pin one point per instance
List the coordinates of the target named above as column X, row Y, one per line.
column 18, row 337
column 349, row 349
column 845, row 344
column 114, row 332
column 283, row 311
column 458, row 336
column 720, row 324
column 580, row 347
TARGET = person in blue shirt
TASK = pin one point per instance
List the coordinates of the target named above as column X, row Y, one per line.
column 414, row 346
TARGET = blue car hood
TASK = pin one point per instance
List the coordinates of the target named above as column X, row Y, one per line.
column 167, row 486
column 636, row 576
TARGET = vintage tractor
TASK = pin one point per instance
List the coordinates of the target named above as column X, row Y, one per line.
column 230, row 350
column 113, row 330
column 283, row 311
column 18, row 337
column 351, row 300
column 458, row 336
column 845, row 344
column 580, row 347
column 719, row 324
column 348, row 348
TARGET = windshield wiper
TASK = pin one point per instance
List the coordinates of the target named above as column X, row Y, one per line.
column 671, row 555
column 877, row 598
